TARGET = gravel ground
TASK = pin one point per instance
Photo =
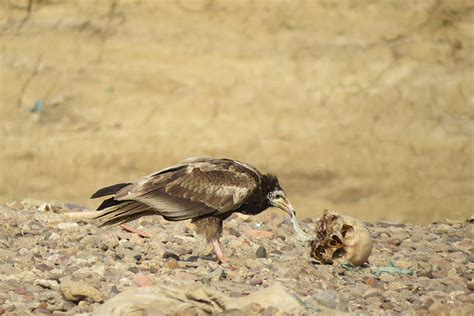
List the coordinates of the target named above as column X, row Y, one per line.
column 52, row 265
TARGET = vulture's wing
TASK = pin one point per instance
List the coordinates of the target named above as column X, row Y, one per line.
column 194, row 188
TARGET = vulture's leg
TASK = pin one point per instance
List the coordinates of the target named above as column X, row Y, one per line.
column 211, row 227
column 218, row 250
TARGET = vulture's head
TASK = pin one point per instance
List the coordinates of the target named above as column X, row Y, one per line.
column 277, row 197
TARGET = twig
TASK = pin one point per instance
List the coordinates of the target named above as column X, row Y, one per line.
column 81, row 215
column 130, row 229
column 28, row 13
column 28, row 80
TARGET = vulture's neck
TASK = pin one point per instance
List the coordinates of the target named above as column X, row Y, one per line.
column 258, row 202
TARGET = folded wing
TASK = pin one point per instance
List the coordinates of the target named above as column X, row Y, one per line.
column 194, row 188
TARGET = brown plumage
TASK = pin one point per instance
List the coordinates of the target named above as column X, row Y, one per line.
column 206, row 190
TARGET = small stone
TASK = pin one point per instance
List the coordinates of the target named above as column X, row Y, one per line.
column 231, row 312
column 256, row 280
column 438, row 308
column 271, row 311
column 193, row 259
column 168, row 254
column 119, row 255
column 24, row 252
column 43, row 267
column 22, row 291
column 216, row 275
column 470, row 285
column 115, row 289
column 404, row 264
column 234, row 232
column 387, row 305
column 371, row 281
column 103, row 246
column 48, row 284
column 428, row 302
column 394, row 242
column 253, row 309
column 42, row 311
column 45, row 207
column 259, row 233
column 185, row 276
column 68, row 225
column 127, row 244
column 142, row 280
column 387, row 277
column 77, row 291
column 395, row 286
column 261, row 252
column 171, row 263
column 385, row 224
column 54, row 236
column 181, row 251
column 138, row 257
column 372, row 292
column 133, row 269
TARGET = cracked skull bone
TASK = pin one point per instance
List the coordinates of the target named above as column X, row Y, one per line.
column 341, row 238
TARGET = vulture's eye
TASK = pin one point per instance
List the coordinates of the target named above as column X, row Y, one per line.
column 278, row 195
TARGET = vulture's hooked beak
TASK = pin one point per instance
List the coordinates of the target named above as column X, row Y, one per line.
column 285, row 205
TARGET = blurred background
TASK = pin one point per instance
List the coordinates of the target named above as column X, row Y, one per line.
column 362, row 107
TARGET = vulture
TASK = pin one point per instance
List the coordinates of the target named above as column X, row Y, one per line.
column 205, row 190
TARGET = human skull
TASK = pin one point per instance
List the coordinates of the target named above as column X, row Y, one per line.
column 341, row 238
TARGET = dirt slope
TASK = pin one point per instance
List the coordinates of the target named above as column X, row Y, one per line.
column 364, row 107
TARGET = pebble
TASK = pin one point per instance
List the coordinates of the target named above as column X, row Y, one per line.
column 395, row 286
column 67, row 225
column 54, row 236
column 43, row 267
column 394, row 242
column 371, row 281
column 48, row 284
column 256, row 280
column 76, row 291
column 261, row 252
column 108, row 261
column 133, row 269
column 258, row 233
column 387, row 278
column 185, row 276
column 168, row 254
column 142, row 280
column 234, row 232
column 470, row 285
column 372, row 293
column 171, row 263
column 114, row 289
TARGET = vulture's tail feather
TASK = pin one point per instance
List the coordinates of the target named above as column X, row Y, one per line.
column 120, row 212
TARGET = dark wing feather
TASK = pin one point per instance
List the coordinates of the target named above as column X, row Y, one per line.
column 197, row 187
column 108, row 203
column 109, row 190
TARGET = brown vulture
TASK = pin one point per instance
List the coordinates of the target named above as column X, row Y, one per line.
column 205, row 190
